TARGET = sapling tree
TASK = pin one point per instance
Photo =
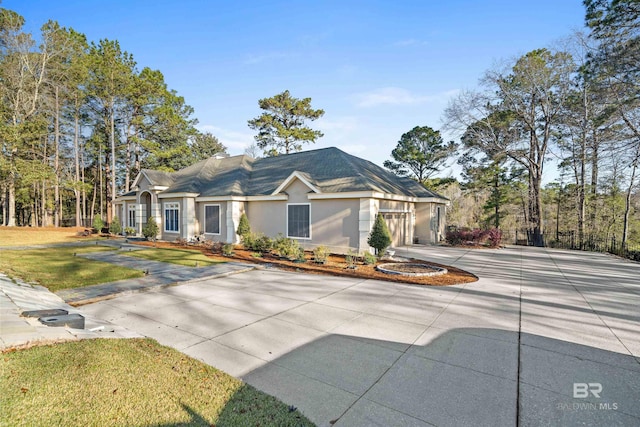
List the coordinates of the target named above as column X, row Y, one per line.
column 380, row 237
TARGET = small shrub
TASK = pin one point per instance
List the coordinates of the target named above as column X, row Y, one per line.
column 98, row 223
column 351, row 259
column 181, row 241
column 216, row 247
column 465, row 236
column 380, row 237
column 321, row 254
column 256, row 254
column 227, row 250
column 243, row 226
column 129, row 231
column 115, row 227
column 494, row 237
column 257, row 242
column 369, row 258
column 286, row 247
column 151, row 229
column 301, row 257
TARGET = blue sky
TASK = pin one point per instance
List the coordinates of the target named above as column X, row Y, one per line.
column 377, row 68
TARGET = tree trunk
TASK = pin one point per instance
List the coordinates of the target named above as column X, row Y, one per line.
column 76, row 149
column 127, row 161
column 11, row 199
column 57, row 211
column 113, row 164
column 627, row 206
column 101, row 179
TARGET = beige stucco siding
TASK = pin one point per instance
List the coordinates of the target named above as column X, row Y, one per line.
column 428, row 230
column 334, row 223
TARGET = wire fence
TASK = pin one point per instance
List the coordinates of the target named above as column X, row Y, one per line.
column 570, row 240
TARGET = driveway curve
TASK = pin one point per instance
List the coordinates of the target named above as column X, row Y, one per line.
column 545, row 337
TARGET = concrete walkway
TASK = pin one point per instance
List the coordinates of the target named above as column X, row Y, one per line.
column 158, row 274
column 544, row 337
column 17, row 296
column 15, row 330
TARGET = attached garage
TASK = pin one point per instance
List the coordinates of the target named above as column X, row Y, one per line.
column 398, row 224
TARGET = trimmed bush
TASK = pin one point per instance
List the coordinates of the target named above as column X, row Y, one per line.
column 129, row 231
column 257, row 242
column 115, row 227
column 227, row 250
column 243, row 226
column 286, row 247
column 369, row 258
column 151, row 229
column 380, row 237
column 321, row 254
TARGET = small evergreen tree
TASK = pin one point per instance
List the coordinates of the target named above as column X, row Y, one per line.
column 379, row 238
column 98, row 223
column 115, row 227
column 151, row 230
column 243, row 226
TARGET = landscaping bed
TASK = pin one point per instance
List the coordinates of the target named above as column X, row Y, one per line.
column 336, row 265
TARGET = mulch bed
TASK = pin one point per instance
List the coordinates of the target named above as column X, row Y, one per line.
column 336, row 266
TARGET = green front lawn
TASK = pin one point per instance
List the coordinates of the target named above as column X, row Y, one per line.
column 128, row 382
column 58, row 268
column 187, row 257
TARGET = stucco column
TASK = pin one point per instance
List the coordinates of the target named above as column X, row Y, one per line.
column 367, row 216
column 188, row 220
column 140, row 221
column 233, row 214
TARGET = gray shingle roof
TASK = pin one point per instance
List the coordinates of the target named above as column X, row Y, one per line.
column 330, row 170
column 163, row 179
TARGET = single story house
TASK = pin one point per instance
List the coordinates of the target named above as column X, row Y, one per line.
column 318, row 197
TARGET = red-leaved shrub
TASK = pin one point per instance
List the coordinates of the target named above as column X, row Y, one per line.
column 475, row 237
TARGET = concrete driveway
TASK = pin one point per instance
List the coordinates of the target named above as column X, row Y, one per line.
column 544, row 337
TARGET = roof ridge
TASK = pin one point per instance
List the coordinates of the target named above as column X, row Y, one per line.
column 361, row 177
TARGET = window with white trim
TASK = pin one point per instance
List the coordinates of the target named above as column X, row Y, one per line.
column 299, row 221
column 212, row 219
column 172, row 217
column 131, row 216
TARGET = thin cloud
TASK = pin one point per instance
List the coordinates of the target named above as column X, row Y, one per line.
column 344, row 124
column 235, row 141
column 398, row 96
column 410, row 42
column 253, row 59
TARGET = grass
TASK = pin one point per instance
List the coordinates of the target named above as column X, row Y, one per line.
column 58, row 268
column 128, row 382
column 189, row 258
column 19, row 236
